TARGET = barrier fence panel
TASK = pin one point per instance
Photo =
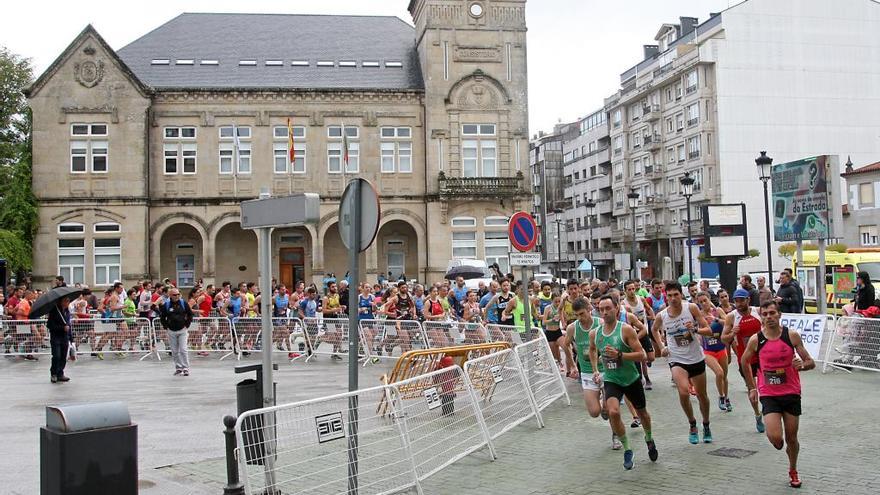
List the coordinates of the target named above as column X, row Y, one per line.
column 288, row 336
column 454, row 333
column 504, row 396
column 441, row 418
column 99, row 336
column 327, row 336
column 247, row 334
column 25, row 337
column 855, row 343
column 513, row 334
column 205, row 336
column 389, row 339
column 309, row 448
column 543, row 375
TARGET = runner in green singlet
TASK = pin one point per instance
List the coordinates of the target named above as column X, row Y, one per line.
column 620, row 351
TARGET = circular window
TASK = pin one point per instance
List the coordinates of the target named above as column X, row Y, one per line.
column 476, row 10
column 242, row 268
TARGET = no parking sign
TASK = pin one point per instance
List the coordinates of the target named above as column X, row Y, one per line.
column 522, row 231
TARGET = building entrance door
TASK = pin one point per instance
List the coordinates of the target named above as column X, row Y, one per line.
column 396, row 261
column 292, row 269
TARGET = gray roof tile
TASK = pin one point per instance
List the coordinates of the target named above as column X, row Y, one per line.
column 230, row 38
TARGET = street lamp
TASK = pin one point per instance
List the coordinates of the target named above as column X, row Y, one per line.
column 633, row 198
column 764, row 164
column 687, row 190
column 591, row 207
column 556, row 213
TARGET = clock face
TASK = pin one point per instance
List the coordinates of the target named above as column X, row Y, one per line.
column 476, row 10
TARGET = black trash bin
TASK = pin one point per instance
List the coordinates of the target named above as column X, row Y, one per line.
column 249, row 396
column 87, row 449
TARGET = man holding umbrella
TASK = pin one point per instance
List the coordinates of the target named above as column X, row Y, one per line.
column 55, row 304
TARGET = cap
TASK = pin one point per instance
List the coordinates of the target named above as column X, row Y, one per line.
column 741, row 293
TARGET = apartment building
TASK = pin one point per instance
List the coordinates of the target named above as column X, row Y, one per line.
column 861, row 215
column 142, row 155
column 547, row 171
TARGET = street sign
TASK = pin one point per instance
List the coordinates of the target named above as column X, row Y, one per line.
column 369, row 214
column 525, row 259
column 522, row 231
column 299, row 209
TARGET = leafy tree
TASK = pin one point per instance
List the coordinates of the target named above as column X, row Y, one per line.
column 18, row 206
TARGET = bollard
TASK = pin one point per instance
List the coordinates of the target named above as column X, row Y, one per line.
column 233, row 485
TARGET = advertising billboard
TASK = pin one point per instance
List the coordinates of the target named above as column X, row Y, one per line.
column 805, row 199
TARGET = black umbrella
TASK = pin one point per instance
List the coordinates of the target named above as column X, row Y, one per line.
column 47, row 301
column 466, row 272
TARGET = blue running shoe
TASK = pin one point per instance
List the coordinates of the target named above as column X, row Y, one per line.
column 652, row 451
column 707, row 435
column 722, row 404
column 628, row 460
column 694, row 436
column 759, row 424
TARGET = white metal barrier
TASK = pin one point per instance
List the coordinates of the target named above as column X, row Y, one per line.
column 328, row 336
column 452, row 333
column 503, row 390
column 97, row 336
column 515, row 335
column 854, row 343
column 25, row 337
column 388, row 339
column 542, row 374
column 288, row 337
column 309, row 447
column 205, row 336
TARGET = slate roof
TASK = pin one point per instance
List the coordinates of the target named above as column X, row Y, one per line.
column 231, row 38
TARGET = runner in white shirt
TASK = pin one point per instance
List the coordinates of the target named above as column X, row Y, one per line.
column 684, row 323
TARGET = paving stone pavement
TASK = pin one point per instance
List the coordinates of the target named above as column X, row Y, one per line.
column 181, row 445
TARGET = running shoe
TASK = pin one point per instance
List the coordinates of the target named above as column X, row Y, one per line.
column 185, row 372
column 707, row 434
column 178, row 372
column 728, row 404
column 336, row 357
column 793, row 479
column 628, row 460
column 636, row 423
column 649, row 385
column 694, row 436
column 722, row 404
column 100, row 356
column 374, row 360
column 652, row 451
column 759, row 424
column 615, row 442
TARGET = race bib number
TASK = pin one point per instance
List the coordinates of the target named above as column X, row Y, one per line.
column 712, row 341
column 683, row 339
column 610, row 363
column 774, row 377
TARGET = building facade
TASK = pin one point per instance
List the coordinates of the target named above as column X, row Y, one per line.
column 546, row 167
column 708, row 97
column 861, row 219
column 143, row 155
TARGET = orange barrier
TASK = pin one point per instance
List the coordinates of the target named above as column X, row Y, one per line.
column 415, row 363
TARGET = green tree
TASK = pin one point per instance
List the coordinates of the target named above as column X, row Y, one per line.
column 18, row 206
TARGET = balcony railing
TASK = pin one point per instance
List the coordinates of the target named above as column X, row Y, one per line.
column 481, row 187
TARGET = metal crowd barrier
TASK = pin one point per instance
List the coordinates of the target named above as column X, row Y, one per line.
column 327, row 336
column 205, row 336
column 25, row 337
column 541, row 371
column 454, row 333
column 389, row 339
column 513, row 334
column 854, row 344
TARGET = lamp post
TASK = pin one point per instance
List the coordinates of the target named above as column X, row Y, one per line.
column 556, row 214
column 764, row 164
column 633, row 198
column 687, row 190
column 591, row 207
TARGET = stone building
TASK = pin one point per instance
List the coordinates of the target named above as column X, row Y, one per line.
column 861, row 214
column 143, row 154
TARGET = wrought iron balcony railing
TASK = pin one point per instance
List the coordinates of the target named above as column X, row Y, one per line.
column 482, row 187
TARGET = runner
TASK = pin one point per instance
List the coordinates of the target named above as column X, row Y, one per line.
column 779, row 386
column 714, row 349
column 642, row 310
column 620, row 351
column 682, row 323
column 552, row 319
column 739, row 326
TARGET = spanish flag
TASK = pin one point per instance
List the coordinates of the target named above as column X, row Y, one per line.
column 290, row 152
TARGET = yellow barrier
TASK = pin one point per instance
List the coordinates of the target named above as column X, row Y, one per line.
column 415, row 363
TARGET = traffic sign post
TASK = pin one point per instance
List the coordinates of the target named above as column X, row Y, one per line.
column 359, row 213
column 523, row 234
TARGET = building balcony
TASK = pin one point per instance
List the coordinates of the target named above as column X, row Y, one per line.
column 653, row 172
column 601, row 255
column 481, row 187
column 658, row 231
column 621, row 235
column 651, row 112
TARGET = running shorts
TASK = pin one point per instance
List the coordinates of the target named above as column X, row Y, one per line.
column 635, row 392
column 789, row 404
column 693, row 370
column 553, row 335
column 587, row 382
column 719, row 355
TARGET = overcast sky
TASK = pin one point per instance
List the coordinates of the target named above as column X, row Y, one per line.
column 577, row 48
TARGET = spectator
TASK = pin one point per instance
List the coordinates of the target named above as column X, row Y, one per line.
column 746, row 283
column 787, row 296
column 60, row 339
column 176, row 316
column 764, row 292
column 797, row 286
column 704, row 287
column 865, row 295
column 59, row 282
column 692, row 292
